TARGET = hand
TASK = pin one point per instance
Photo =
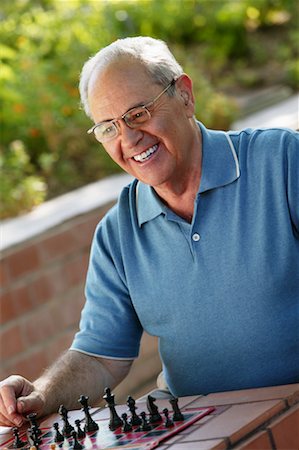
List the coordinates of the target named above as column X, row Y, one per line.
column 18, row 398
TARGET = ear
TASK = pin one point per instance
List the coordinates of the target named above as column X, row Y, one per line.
column 185, row 92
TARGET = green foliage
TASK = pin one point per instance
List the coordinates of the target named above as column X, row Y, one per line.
column 44, row 44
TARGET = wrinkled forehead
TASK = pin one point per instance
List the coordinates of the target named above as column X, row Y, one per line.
column 121, row 85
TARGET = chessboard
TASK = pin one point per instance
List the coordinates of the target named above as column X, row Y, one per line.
column 107, row 428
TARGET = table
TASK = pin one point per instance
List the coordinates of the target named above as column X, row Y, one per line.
column 252, row 419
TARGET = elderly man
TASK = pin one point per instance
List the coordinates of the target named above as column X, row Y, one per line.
column 201, row 250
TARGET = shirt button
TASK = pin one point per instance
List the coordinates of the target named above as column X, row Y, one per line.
column 195, row 237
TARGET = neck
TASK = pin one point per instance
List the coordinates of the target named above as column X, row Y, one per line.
column 179, row 194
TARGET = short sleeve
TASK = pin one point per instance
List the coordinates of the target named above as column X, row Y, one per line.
column 109, row 325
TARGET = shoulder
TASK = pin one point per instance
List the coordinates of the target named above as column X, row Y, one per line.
column 267, row 138
column 121, row 214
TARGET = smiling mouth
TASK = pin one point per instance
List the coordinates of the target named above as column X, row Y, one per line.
column 144, row 156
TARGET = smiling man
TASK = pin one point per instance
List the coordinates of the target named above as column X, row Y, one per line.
column 201, row 250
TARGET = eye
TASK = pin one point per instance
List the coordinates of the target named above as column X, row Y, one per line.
column 136, row 116
column 108, row 130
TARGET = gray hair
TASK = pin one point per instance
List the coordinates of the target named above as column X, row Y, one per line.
column 154, row 54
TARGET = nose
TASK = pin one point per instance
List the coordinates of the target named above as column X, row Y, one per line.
column 130, row 137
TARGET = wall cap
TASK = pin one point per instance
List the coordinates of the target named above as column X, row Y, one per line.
column 56, row 211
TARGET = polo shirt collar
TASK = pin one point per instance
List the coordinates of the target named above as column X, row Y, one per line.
column 220, row 164
column 219, row 167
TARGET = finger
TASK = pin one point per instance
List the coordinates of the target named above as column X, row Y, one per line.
column 4, row 422
column 9, row 418
column 31, row 403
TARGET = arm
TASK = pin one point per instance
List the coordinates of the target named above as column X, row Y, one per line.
column 73, row 374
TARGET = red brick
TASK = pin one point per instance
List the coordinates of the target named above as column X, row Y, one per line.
column 75, row 269
column 6, row 307
column 22, row 300
column 261, row 441
column 40, row 326
column 84, row 231
column 42, row 289
column 11, row 342
column 30, row 366
column 285, row 430
column 60, row 244
column 4, row 276
column 23, row 262
column 58, row 345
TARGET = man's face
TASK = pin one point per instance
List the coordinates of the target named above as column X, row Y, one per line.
column 167, row 136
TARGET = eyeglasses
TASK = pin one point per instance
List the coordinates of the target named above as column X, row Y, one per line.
column 108, row 130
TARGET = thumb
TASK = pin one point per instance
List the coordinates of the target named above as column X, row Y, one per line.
column 30, row 403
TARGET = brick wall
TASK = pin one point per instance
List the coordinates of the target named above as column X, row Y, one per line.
column 42, row 283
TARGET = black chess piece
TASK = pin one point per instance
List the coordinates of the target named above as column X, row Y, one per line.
column 145, row 426
column 90, row 425
column 34, row 433
column 155, row 416
column 32, row 417
column 115, row 421
column 127, row 427
column 67, row 427
column 168, row 422
column 76, row 444
column 17, row 443
column 177, row 415
column 58, row 436
column 80, row 433
column 135, row 419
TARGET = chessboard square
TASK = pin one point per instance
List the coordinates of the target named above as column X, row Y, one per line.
column 156, row 433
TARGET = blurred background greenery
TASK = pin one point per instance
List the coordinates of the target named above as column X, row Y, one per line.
column 229, row 47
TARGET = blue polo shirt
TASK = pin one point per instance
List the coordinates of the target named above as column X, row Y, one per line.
column 221, row 293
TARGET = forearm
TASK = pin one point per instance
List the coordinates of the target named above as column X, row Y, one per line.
column 75, row 374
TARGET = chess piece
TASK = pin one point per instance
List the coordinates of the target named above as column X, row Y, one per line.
column 80, row 433
column 135, row 419
column 17, row 443
column 115, row 420
column 67, row 428
column 168, row 422
column 58, row 436
column 127, row 427
column 76, row 444
column 90, row 424
column 145, row 426
column 34, row 433
column 177, row 415
column 32, row 417
column 155, row 416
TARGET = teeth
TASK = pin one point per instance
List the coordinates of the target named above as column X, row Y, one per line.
column 145, row 155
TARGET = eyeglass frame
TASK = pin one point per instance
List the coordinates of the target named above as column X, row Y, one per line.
column 123, row 116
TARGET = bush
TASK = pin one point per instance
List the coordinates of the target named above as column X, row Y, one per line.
column 46, row 42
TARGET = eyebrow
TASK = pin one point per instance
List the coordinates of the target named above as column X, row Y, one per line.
column 132, row 107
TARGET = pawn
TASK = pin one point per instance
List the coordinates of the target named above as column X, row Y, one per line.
column 127, row 427
column 17, row 443
column 76, row 443
column 168, row 422
column 80, row 433
column 58, row 436
column 145, row 426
